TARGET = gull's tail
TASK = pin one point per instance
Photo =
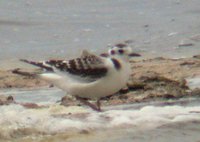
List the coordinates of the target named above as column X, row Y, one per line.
column 49, row 76
column 32, row 74
column 42, row 65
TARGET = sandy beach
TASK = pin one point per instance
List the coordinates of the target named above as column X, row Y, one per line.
column 152, row 79
column 162, row 100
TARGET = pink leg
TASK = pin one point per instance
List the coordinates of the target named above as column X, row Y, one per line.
column 85, row 102
column 99, row 105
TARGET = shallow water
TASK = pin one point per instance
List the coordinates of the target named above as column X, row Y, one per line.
column 40, row 96
column 50, row 29
column 175, row 120
column 193, row 82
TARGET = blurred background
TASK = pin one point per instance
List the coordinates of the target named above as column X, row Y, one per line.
column 45, row 29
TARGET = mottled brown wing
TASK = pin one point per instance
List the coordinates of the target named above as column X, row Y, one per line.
column 90, row 65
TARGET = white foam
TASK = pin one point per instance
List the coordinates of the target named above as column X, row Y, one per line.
column 193, row 83
column 57, row 119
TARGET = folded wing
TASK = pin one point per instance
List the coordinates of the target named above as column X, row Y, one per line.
column 87, row 66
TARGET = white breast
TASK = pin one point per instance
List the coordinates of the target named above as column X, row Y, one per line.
column 105, row 86
column 108, row 85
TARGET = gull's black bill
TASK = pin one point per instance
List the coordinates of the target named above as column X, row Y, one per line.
column 104, row 55
column 134, row 55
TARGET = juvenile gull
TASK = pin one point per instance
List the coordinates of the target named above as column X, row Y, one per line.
column 90, row 76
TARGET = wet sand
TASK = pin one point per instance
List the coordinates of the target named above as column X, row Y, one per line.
column 152, row 79
column 162, row 103
column 145, row 122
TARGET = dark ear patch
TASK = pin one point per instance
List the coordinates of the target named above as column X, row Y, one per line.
column 116, row 63
column 121, row 45
column 121, row 51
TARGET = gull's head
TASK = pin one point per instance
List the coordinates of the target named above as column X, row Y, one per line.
column 122, row 50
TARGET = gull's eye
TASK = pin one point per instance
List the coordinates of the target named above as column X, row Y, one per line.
column 121, row 51
column 112, row 52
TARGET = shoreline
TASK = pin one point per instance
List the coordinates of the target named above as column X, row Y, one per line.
column 152, row 79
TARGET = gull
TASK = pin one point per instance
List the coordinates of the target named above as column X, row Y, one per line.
column 89, row 76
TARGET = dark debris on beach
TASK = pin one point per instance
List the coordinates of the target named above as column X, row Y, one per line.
column 152, row 79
